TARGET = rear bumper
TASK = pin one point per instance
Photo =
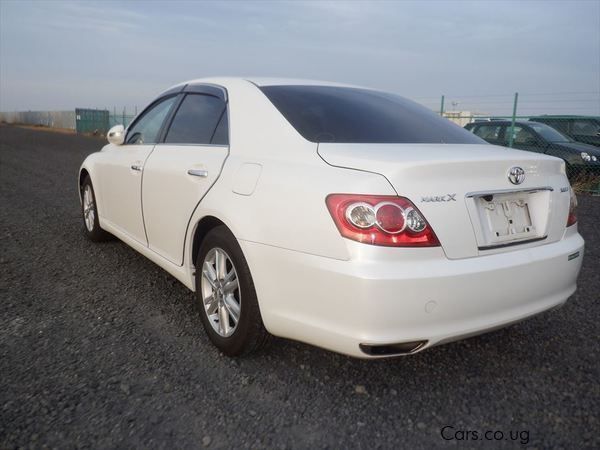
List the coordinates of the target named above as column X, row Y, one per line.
column 384, row 296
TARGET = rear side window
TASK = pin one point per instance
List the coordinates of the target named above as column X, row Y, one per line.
column 488, row 132
column 521, row 136
column 221, row 136
column 196, row 120
column 349, row 115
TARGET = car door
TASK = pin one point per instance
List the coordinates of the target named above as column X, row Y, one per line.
column 121, row 171
column 181, row 170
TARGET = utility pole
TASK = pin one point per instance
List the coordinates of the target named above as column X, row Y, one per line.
column 512, row 123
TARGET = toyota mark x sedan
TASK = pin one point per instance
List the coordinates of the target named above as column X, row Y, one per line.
column 344, row 217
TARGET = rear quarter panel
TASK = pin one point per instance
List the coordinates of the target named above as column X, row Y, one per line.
column 287, row 206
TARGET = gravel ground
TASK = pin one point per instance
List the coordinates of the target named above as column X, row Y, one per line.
column 101, row 348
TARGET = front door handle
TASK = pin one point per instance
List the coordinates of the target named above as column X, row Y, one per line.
column 198, row 173
column 136, row 167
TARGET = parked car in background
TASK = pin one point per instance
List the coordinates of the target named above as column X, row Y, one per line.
column 580, row 129
column 540, row 138
column 344, row 217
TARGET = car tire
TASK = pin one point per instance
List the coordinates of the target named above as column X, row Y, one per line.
column 224, row 290
column 89, row 213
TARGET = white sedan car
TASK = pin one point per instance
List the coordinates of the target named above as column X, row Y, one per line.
column 344, row 217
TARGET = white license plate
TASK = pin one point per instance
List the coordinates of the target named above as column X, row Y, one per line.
column 506, row 217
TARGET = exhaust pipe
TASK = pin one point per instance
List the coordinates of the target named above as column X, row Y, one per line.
column 401, row 348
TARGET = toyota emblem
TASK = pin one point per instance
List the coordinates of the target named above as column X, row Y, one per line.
column 516, row 175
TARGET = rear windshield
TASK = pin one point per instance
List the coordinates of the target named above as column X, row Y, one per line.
column 349, row 115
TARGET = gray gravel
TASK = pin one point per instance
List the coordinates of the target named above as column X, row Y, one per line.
column 101, row 348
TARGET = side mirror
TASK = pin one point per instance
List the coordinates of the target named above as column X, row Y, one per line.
column 116, row 135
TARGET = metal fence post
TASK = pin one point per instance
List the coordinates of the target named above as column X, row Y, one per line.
column 123, row 123
column 512, row 123
column 442, row 107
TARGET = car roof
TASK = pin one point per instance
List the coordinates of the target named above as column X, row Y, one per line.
column 260, row 82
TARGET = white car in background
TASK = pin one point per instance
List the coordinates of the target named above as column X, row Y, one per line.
column 344, row 217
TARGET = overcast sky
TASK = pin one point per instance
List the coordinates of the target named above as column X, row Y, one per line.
column 59, row 55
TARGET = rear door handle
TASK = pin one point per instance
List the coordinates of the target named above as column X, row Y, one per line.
column 136, row 167
column 198, row 173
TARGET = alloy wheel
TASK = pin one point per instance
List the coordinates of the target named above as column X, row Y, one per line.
column 89, row 208
column 221, row 296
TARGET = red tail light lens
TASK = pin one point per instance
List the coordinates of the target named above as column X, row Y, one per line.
column 390, row 217
column 381, row 220
column 572, row 220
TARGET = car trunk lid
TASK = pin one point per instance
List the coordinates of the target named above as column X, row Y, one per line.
column 464, row 192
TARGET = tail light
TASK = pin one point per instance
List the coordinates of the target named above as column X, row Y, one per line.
column 381, row 220
column 572, row 220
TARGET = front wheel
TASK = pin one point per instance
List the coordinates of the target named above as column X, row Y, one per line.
column 89, row 211
column 226, row 297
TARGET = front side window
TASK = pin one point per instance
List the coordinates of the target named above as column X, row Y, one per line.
column 559, row 125
column 146, row 129
column 350, row 115
column 196, row 120
column 549, row 133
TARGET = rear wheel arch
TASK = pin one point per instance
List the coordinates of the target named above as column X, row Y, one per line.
column 203, row 226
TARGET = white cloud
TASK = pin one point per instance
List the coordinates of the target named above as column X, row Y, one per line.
column 419, row 49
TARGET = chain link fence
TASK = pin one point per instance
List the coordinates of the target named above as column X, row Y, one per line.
column 53, row 119
column 574, row 139
column 82, row 120
column 537, row 124
column 99, row 121
column 122, row 118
